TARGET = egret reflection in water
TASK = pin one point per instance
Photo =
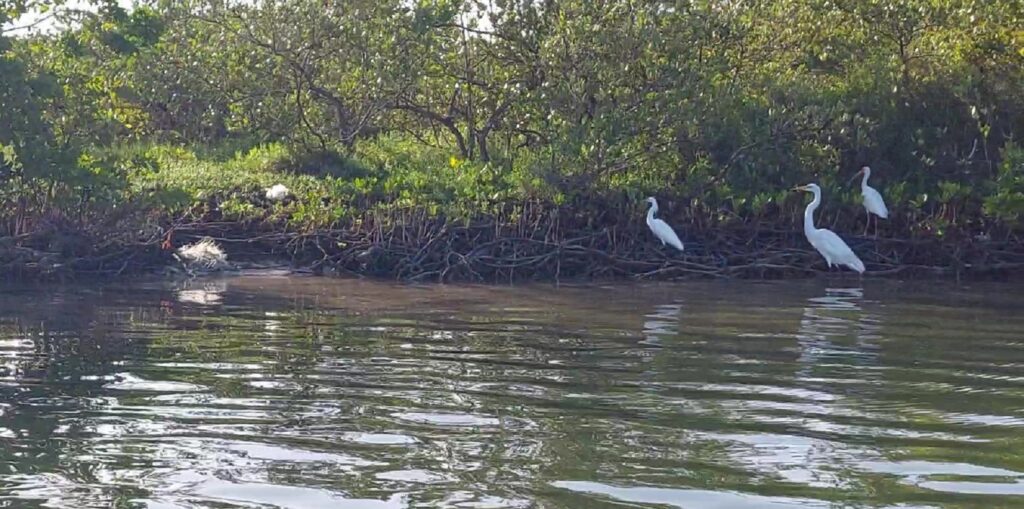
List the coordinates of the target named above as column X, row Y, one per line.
column 663, row 322
column 834, row 329
column 834, row 336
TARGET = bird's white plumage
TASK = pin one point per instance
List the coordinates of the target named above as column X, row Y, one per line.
column 277, row 192
column 873, row 201
column 204, row 254
column 661, row 229
column 835, row 251
column 832, row 248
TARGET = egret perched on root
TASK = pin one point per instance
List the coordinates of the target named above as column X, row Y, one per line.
column 277, row 193
column 661, row 229
column 873, row 202
column 835, row 251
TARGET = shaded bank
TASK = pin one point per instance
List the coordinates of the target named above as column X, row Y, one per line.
column 530, row 242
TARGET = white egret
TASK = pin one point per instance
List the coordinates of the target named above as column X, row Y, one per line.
column 661, row 229
column 835, row 251
column 873, row 201
column 277, row 192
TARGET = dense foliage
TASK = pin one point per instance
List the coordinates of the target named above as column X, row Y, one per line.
column 457, row 105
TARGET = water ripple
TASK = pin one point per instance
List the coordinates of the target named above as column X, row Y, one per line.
column 302, row 392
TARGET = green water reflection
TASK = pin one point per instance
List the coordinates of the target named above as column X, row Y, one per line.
column 275, row 391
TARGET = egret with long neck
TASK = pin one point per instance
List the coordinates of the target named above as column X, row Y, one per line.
column 661, row 229
column 873, row 202
column 832, row 248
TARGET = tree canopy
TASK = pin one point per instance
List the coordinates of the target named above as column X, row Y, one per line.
column 721, row 104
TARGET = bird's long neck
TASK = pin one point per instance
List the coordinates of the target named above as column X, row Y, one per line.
column 651, row 211
column 809, row 213
column 864, row 180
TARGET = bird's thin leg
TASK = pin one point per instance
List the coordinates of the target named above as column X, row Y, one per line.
column 866, row 224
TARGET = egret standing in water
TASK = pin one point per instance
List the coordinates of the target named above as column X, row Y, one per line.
column 661, row 229
column 835, row 251
column 873, row 202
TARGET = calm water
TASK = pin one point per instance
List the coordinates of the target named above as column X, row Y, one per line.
column 273, row 391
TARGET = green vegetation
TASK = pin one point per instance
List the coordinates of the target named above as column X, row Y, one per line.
column 172, row 112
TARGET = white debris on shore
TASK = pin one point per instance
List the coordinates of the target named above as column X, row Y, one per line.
column 277, row 193
column 205, row 254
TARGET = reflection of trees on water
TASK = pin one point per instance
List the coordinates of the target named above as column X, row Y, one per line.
column 67, row 334
column 453, row 407
column 49, row 342
column 70, row 364
column 203, row 389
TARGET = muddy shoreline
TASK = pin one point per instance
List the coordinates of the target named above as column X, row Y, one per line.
column 423, row 249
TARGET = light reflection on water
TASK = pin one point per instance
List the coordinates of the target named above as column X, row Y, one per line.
column 274, row 391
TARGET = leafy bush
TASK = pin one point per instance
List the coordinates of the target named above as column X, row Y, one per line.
column 1007, row 199
column 441, row 105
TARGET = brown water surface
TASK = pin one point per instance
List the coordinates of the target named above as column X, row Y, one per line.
column 297, row 392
